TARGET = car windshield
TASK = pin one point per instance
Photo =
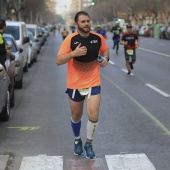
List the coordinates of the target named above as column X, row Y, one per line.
column 31, row 30
column 9, row 41
column 13, row 30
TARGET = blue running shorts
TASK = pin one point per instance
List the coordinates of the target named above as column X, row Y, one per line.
column 78, row 97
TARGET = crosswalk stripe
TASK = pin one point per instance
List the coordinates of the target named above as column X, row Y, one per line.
column 129, row 161
column 42, row 162
column 114, row 162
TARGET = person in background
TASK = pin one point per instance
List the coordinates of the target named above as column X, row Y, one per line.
column 116, row 30
column 64, row 33
column 80, row 51
column 72, row 27
column 101, row 31
column 4, row 49
column 130, row 40
column 59, row 27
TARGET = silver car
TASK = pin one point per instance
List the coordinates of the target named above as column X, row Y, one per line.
column 34, row 43
column 5, row 95
column 19, row 60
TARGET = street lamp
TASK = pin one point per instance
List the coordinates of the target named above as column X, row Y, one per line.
column 158, row 9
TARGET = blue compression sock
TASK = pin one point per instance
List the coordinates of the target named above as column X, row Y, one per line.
column 76, row 128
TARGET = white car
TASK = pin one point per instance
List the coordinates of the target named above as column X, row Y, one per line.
column 19, row 59
column 30, row 55
column 34, row 43
column 5, row 95
column 35, row 31
column 18, row 30
column 142, row 30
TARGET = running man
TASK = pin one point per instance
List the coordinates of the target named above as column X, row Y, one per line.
column 80, row 50
column 101, row 31
column 130, row 40
column 64, row 33
column 116, row 30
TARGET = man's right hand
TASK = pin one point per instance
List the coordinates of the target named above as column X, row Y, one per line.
column 79, row 51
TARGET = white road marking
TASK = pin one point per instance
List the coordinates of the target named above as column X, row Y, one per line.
column 154, row 52
column 42, row 162
column 123, row 161
column 124, row 70
column 129, row 162
column 111, row 62
column 157, row 90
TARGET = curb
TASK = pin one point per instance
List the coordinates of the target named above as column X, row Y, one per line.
column 3, row 161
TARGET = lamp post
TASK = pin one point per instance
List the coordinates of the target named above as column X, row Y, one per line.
column 158, row 10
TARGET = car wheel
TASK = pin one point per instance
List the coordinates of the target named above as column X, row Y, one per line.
column 32, row 61
column 25, row 69
column 5, row 114
column 29, row 65
column 12, row 99
column 19, row 84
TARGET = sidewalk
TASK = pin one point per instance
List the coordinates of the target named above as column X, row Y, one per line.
column 3, row 161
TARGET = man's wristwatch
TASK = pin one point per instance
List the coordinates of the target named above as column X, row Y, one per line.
column 107, row 57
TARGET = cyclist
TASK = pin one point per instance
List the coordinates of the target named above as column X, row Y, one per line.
column 116, row 30
column 130, row 40
column 80, row 50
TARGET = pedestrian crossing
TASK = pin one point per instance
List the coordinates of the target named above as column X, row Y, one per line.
column 113, row 162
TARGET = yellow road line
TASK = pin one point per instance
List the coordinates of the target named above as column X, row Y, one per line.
column 24, row 128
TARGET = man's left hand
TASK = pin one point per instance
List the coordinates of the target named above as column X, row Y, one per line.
column 104, row 62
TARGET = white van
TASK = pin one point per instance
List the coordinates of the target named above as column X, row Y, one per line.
column 18, row 30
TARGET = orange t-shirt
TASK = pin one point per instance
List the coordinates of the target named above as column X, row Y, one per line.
column 83, row 71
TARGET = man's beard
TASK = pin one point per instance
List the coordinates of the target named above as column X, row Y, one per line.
column 82, row 30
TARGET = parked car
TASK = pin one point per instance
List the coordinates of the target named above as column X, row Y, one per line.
column 41, row 36
column 19, row 59
column 5, row 94
column 45, row 33
column 35, row 31
column 34, row 43
column 30, row 55
column 162, row 32
column 147, row 32
column 10, row 69
column 135, row 29
column 167, row 32
column 18, row 30
column 142, row 30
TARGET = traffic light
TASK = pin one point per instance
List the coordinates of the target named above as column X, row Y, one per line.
column 92, row 3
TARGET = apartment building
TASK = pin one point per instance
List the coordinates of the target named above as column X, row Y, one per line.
column 78, row 5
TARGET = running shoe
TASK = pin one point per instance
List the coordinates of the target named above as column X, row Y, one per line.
column 88, row 150
column 131, row 65
column 78, row 149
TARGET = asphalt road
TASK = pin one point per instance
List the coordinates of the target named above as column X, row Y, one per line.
column 134, row 112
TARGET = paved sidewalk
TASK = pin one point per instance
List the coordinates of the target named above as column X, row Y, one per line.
column 3, row 161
